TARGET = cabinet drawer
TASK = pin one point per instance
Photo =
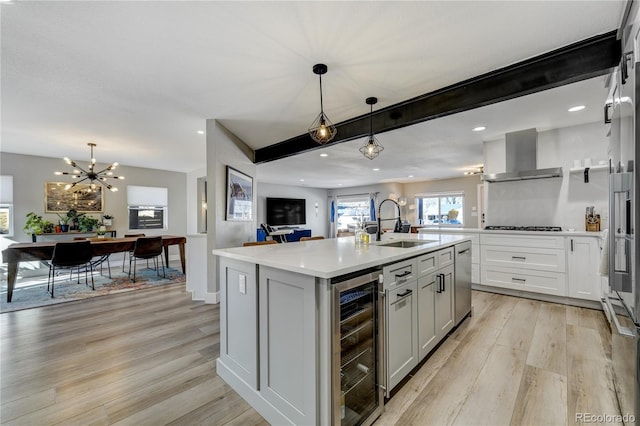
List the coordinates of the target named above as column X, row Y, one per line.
column 524, row 257
column 399, row 273
column 427, row 263
column 538, row 241
column 526, row 280
column 445, row 257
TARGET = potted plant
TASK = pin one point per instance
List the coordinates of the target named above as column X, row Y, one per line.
column 72, row 219
column 101, row 231
column 34, row 224
column 87, row 223
column 107, row 220
column 64, row 222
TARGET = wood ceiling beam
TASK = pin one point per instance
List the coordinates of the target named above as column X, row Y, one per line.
column 579, row 61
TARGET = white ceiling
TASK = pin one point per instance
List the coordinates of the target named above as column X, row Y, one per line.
column 140, row 78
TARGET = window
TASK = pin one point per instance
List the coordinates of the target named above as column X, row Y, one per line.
column 441, row 209
column 6, row 206
column 6, row 220
column 352, row 210
column 147, row 207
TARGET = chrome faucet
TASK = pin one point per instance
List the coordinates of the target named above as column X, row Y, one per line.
column 398, row 219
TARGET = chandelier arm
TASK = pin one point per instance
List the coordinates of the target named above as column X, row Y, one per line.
column 81, row 180
column 81, row 169
column 104, row 170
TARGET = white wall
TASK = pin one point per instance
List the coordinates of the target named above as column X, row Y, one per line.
column 317, row 217
column 556, row 201
column 225, row 149
column 193, row 204
column 31, row 172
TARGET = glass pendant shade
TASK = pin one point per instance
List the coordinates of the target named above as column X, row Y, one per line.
column 371, row 148
column 322, row 129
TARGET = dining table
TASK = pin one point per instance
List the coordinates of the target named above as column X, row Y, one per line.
column 39, row 251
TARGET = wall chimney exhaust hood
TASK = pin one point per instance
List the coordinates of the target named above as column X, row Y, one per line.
column 521, row 151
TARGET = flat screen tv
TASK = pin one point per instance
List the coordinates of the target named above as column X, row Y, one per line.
column 286, row 211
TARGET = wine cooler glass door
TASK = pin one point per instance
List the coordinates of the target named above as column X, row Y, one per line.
column 357, row 398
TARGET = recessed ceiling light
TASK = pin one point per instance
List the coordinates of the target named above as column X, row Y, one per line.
column 479, row 128
column 339, row 184
column 301, row 180
column 201, row 132
column 576, row 108
column 324, row 155
column 410, row 176
column 376, row 170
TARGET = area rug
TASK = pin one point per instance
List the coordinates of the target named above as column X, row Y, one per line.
column 36, row 295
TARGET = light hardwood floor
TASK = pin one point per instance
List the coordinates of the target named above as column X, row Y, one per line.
column 148, row 358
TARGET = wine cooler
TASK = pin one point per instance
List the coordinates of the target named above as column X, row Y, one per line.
column 357, row 348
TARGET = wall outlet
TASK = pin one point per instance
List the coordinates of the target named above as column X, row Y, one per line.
column 242, row 284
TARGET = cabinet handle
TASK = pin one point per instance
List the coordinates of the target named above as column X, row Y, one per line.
column 607, row 107
column 522, row 280
column 439, row 290
column 519, row 257
column 404, row 274
column 572, row 244
column 405, row 294
column 443, row 281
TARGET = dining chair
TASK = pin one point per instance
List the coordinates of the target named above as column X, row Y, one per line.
column 98, row 260
column 147, row 248
column 317, row 237
column 124, row 256
column 70, row 255
column 259, row 243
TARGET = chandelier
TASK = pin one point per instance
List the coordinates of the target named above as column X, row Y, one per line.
column 371, row 147
column 90, row 174
column 322, row 129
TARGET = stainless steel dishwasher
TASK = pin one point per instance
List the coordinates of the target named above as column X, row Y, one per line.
column 462, row 293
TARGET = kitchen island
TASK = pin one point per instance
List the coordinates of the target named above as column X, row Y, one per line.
column 276, row 334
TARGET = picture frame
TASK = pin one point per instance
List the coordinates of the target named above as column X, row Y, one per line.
column 239, row 196
column 81, row 198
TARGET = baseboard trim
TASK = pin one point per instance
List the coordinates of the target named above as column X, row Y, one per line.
column 212, row 298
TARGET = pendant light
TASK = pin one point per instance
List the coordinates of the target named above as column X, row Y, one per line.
column 90, row 174
column 371, row 148
column 322, row 130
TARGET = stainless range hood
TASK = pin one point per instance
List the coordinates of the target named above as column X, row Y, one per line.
column 521, row 152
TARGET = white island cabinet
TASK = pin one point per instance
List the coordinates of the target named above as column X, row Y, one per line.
column 276, row 336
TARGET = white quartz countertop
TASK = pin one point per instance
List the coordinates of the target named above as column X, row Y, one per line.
column 431, row 230
column 333, row 257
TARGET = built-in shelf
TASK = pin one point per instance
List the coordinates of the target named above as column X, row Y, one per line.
column 591, row 169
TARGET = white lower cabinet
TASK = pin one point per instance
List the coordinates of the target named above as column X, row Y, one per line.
column 426, row 314
column 444, row 302
column 583, row 260
column 402, row 332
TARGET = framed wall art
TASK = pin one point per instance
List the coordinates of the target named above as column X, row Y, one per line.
column 239, row 195
column 81, row 197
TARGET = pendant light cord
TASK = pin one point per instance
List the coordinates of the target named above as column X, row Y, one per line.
column 321, row 106
column 371, row 122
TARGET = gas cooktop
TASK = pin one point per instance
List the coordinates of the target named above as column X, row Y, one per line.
column 523, row 228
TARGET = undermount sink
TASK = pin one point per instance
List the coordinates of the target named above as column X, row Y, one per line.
column 407, row 244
